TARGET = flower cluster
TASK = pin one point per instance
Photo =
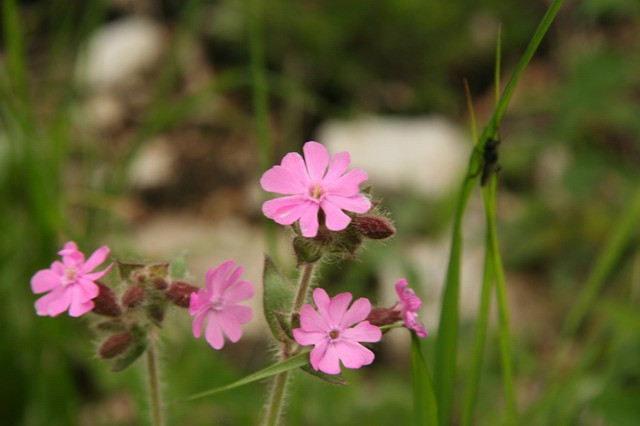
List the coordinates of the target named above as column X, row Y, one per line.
column 323, row 203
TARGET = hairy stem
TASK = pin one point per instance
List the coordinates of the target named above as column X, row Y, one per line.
column 155, row 397
column 278, row 390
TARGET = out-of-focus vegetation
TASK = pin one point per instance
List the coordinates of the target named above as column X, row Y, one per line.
column 570, row 169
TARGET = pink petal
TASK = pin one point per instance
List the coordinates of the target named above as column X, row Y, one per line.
column 243, row 314
column 310, row 320
column 57, row 267
column 96, row 259
column 69, row 247
column 348, row 184
column 78, row 308
column 213, row 332
column 306, row 338
column 401, row 284
column 97, row 275
column 243, row 290
column 280, row 180
column 230, row 325
column 330, row 362
column 317, row 353
column 196, row 328
column 85, row 290
column 214, row 279
column 198, row 300
column 353, row 355
column 54, row 303
column 358, row 311
column 338, row 165
column 338, row 307
column 357, row 203
column 322, row 303
column 295, row 164
column 231, row 279
column 317, row 158
column 45, row 280
column 286, row 210
column 309, row 221
column 363, row 332
column 335, row 219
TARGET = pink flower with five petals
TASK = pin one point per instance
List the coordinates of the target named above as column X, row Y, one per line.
column 317, row 182
column 336, row 331
column 409, row 305
column 70, row 283
column 218, row 304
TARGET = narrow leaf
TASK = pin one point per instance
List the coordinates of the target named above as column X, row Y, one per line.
column 297, row 361
column 277, row 298
column 334, row 379
column 424, row 400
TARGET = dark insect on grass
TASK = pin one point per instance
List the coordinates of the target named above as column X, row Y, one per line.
column 490, row 163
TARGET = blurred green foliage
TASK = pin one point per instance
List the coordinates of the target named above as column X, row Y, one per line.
column 570, row 157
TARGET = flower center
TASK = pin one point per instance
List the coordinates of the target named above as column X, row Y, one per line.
column 70, row 275
column 334, row 334
column 317, row 192
column 218, row 304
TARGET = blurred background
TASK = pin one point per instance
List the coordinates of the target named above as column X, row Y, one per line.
column 130, row 123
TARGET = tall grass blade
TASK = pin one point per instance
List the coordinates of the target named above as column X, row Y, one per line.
column 447, row 343
column 425, row 406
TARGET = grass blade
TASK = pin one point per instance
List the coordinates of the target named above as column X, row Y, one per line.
column 447, row 342
column 297, row 361
column 424, row 400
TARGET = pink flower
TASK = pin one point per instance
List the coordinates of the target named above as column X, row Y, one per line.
column 409, row 305
column 218, row 304
column 330, row 330
column 315, row 183
column 71, row 283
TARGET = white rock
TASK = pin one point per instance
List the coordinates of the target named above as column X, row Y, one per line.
column 427, row 154
column 119, row 51
column 153, row 166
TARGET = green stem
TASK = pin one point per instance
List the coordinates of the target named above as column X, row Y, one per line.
column 503, row 304
column 155, row 397
column 276, row 398
column 261, row 105
column 471, row 396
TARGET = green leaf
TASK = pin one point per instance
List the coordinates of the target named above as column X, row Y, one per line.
column 424, row 400
column 125, row 269
column 297, row 361
column 284, row 322
column 160, row 270
column 334, row 379
column 277, row 299
column 178, row 266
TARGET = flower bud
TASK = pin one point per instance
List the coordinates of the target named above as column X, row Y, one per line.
column 180, row 293
column 133, row 296
column 374, row 227
column 384, row 316
column 115, row 345
column 106, row 303
column 306, row 250
column 160, row 283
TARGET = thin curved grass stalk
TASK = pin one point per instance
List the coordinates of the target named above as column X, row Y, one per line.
column 447, row 341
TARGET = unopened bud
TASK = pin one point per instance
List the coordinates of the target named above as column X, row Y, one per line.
column 155, row 313
column 133, row 296
column 115, row 345
column 384, row 316
column 374, row 227
column 106, row 303
column 160, row 283
column 180, row 293
column 306, row 250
